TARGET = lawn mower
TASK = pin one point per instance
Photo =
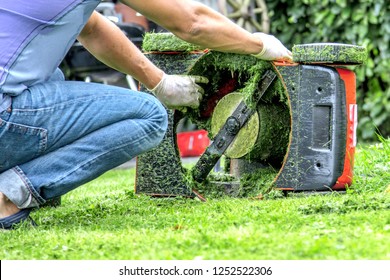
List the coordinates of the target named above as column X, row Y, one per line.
column 292, row 123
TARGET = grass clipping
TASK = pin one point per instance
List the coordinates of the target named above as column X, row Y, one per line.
column 256, row 185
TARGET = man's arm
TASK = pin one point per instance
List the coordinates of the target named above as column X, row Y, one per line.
column 110, row 45
column 201, row 25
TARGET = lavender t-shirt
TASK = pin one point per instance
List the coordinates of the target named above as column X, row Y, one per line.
column 34, row 38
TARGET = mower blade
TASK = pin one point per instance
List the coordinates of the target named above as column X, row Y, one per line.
column 205, row 164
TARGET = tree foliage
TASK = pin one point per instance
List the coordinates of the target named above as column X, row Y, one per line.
column 359, row 22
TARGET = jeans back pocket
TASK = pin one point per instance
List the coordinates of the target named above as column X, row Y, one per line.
column 20, row 143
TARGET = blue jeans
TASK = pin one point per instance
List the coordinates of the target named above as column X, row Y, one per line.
column 61, row 134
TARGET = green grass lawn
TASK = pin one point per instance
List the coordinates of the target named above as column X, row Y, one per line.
column 106, row 220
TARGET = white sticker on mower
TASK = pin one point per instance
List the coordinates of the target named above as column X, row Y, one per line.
column 353, row 121
column 191, row 143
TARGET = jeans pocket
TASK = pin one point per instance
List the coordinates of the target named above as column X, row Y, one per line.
column 20, row 143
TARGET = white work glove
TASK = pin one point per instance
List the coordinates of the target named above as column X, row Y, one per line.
column 273, row 49
column 177, row 91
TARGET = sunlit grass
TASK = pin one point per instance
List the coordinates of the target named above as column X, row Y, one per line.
column 104, row 219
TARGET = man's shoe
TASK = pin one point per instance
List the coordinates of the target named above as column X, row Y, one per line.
column 10, row 221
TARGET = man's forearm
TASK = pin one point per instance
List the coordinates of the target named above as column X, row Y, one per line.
column 109, row 44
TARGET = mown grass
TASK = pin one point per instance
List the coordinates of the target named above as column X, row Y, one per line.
column 106, row 220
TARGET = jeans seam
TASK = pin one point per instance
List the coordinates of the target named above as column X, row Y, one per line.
column 43, row 141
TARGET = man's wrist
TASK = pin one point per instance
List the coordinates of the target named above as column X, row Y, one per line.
column 154, row 83
column 261, row 43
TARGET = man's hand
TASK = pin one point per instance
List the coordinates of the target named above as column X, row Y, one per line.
column 176, row 91
column 273, row 49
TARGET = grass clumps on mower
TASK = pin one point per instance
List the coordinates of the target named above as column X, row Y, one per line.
column 165, row 42
column 329, row 53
